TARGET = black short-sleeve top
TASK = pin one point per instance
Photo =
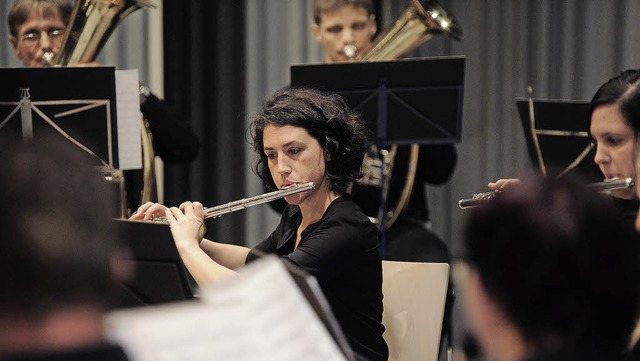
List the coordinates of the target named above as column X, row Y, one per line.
column 341, row 251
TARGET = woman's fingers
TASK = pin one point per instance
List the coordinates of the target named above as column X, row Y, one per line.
column 150, row 210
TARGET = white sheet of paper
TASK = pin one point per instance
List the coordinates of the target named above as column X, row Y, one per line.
column 129, row 122
column 258, row 315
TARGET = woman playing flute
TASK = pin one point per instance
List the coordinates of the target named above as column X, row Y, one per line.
column 302, row 136
column 614, row 128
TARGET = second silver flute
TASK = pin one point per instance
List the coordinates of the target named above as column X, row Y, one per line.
column 480, row 198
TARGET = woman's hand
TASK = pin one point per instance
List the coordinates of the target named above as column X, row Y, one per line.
column 187, row 224
column 148, row 212
column 502, row 184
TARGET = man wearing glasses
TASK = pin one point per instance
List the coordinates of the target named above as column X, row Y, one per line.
column 37, row 27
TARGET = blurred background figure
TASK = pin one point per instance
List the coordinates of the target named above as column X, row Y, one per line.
column 59, row 261
column 550, row 273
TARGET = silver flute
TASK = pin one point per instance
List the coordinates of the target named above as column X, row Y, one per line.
column 218, row 211
column 479, row 198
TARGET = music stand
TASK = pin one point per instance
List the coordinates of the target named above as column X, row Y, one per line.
column 62, row 101
column 557, row 137
column 95, row 109
column 409, row 101
column 159, row 276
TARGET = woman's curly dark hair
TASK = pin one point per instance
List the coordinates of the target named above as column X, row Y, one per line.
column 340, row 131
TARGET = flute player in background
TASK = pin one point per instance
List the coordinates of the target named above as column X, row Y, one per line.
column 571, row 290
column 614, row 128
column 302, row 136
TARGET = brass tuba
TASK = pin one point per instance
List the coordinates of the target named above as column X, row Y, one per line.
column 419, row 21
column 90, row 25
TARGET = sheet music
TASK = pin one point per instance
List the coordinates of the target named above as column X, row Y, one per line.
column 128, row 108
column 260, row 314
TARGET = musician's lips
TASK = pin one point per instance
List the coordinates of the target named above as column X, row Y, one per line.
column 288, row 185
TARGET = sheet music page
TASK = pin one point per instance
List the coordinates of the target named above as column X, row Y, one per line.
column 128, row 109
column 258, row 315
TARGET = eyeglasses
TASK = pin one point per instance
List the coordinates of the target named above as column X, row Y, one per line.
column 33, row 37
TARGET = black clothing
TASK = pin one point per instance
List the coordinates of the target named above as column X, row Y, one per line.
column 634, row 353
column 173, row 140
column 576, row 356
column 102, row 352
column 473, row 352
column 341, row 251
column 429, row 249
column 628, row 207
column 435, row 166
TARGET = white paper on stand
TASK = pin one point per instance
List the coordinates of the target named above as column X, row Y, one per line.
column 260, row 314
column 129, row 119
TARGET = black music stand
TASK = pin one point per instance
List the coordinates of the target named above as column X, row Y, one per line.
column 94, row 109
column 557, row 135
column 78, row 104
column 159, row 276
column 409, row 101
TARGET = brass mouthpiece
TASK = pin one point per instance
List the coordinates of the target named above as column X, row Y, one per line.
column 350, row 51
column 48, row 57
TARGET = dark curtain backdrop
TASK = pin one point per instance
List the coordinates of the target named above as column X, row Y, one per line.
column 204, row 77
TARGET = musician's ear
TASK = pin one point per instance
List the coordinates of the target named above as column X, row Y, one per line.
column 315, row 31
column 326, row 153
column 14, row 44
column 374, row 27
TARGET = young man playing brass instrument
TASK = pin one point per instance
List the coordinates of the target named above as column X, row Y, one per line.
column 345, row 28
